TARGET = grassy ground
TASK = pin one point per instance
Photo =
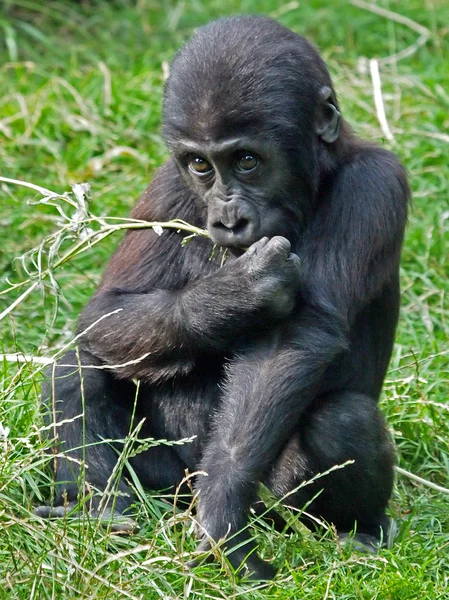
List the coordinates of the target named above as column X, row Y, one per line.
column 81, row 87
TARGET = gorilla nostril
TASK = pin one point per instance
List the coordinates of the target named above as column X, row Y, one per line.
column 236, row 227
column 240, row 226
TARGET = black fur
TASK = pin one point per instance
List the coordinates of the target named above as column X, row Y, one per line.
column 275, row 360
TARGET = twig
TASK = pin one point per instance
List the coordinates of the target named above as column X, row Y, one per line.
column 18, row 300
column 424, row 33
column 107, row 87
column 429, row 484
column 19, row 357
column 26, row 358
column 435, row 135
column 32, row 186
column 378, row 99
column 282, row 10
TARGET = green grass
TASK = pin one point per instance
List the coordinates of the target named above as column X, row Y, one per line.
column 81, row 80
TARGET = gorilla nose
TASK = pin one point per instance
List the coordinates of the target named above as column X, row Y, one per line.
column 231, row 216
column 235, row 226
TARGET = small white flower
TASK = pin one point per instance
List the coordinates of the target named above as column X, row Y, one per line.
column 158, row 229
column 4, row 431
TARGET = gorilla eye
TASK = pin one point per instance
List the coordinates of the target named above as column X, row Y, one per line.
column 246, row 162
column 199, row 166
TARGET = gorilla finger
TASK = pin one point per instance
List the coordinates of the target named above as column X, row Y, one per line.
column 126, row 526
column 294, row 264
column 257, row 246
column 202, row 554
column 294, row 258
column 116, row 521
column 54, row 512
column 280, row 244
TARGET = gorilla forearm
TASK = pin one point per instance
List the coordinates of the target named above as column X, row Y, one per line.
column 156, row 332
column 155, row 335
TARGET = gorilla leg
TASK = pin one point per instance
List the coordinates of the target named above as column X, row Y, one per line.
column 337, row 428
column 89, row 409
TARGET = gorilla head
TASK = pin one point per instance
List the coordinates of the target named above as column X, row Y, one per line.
column 251, row 119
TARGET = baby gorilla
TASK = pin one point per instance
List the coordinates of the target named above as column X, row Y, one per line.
column 275, row 359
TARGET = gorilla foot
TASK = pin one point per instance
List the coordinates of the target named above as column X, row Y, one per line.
column 360, row 542
column 367, row 543
column 256, row 569
column 117, row 522
column 249, row 566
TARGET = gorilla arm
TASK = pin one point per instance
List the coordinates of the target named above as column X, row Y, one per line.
column 351, row 255
column 155, row 313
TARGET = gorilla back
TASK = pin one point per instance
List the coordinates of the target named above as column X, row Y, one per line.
column 275, row 359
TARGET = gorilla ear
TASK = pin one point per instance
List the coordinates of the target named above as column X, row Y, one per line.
column 327, row 124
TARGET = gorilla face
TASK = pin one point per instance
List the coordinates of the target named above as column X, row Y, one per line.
column 238, row 182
